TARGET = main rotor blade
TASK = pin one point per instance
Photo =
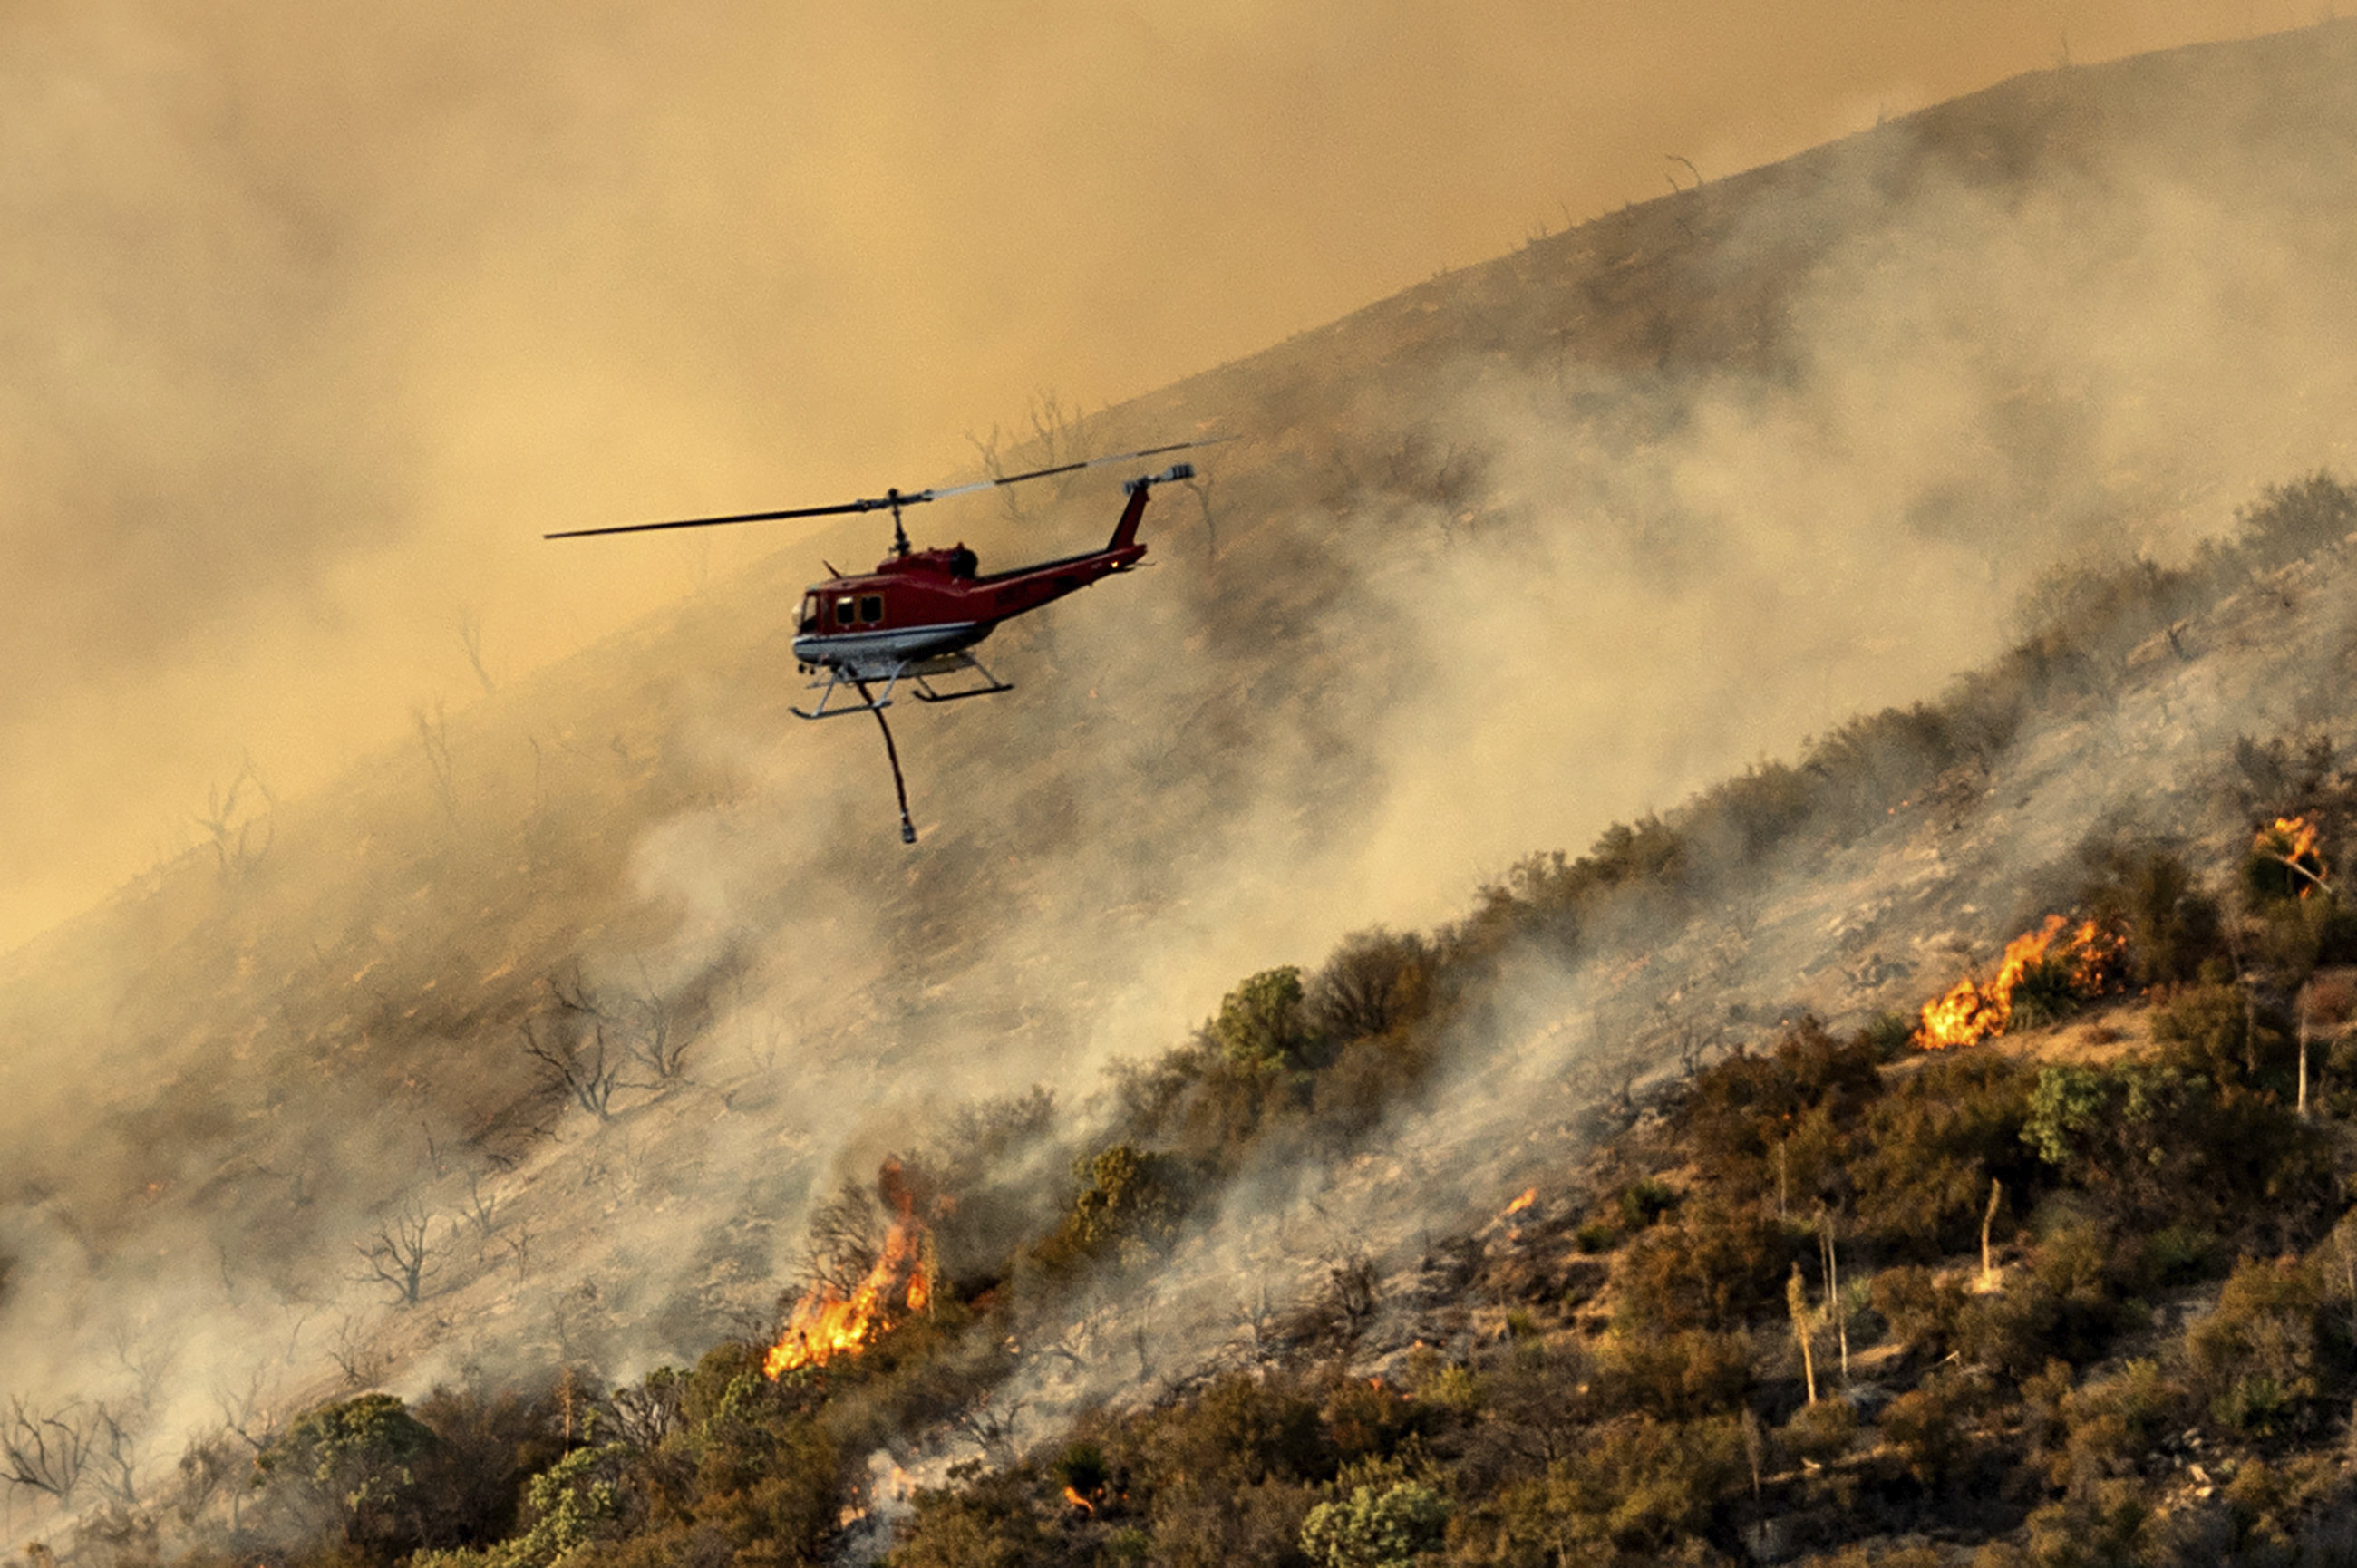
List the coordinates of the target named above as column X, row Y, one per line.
column 880, row 503
column 876, row 505
column 1072, row 468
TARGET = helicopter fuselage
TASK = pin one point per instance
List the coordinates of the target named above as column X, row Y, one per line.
column 933, row 603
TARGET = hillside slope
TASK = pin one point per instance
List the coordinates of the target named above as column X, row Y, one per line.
column 1558, row 538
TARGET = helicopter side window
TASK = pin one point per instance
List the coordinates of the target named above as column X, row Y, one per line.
column 844, row 611
column 871, row 607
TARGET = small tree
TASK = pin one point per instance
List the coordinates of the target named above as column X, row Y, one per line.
column 1132, row 1198
column 1262, row 1027
column 353, row 1466
column 1374, row 979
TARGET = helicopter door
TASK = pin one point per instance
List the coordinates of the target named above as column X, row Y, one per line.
column 847, row 611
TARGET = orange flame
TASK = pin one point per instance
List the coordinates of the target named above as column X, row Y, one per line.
column 1072, row 1496
column 1971, row 1012
column 2293, row 841
column 827, row 1323
column 1530, row 1196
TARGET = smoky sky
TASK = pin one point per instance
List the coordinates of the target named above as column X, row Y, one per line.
column 314, row 316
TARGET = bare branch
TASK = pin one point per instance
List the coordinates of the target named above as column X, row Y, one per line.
column 114, row 1455
column 482, row 1207
column 400, row 1254
column 229, row 825
column 355, row 1354
column 587, row 1072
column 434, row 739
column 46, row 1450
column 470, row 639
column 644, row 1415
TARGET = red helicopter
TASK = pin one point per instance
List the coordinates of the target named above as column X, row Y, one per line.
column 917, row 617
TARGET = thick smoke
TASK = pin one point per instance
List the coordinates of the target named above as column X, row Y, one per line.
column 317, row 315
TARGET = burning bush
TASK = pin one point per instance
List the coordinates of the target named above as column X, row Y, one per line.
column 836, row 1315
column 2144, row 891
column 2042, row 976
column 2287, row 861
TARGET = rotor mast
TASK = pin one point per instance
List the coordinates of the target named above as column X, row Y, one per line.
column 899, row 534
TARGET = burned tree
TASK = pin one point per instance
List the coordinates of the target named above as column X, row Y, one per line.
column 46, row 1450
column 228, row 820
column 433, row 740
column 586, row 1070
column 401, row 1253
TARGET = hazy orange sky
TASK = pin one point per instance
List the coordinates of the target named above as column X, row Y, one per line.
column 313, row 317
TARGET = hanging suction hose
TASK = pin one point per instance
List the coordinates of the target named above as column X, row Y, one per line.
column 892, row 755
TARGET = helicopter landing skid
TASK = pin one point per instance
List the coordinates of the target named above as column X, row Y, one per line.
column 957, row 663
column 918, row 672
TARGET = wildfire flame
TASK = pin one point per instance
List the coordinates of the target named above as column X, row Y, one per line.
column 1973, row 1011
column 2293, row 841
column 1072, row 1496
column 1530, row 1196
column 828, row 1322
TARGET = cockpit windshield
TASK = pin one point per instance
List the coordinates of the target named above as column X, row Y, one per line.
column 809, row 623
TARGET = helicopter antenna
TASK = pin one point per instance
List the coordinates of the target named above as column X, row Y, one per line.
column 894, row 498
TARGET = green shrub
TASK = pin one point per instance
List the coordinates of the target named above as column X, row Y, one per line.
column 1262, row 1025
column 1677, row 1376
column 1931, row 1148
column 1713, row 1267
column 1820, row 1434
column 1643, row 1201
column 2261, row 1358
column 1929, row 1427
column 352, row 1466
column 1128, row 1196
column 1921, row 1308
column 1889, row 1036
column 1596, row 1236
column 2178, row 1255
column 2209, row 1029
column 1637, row 1485
column 2156, row 1146
column 1390, row 1529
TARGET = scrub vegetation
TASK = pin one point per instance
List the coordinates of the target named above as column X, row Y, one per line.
column 1832, row 1298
